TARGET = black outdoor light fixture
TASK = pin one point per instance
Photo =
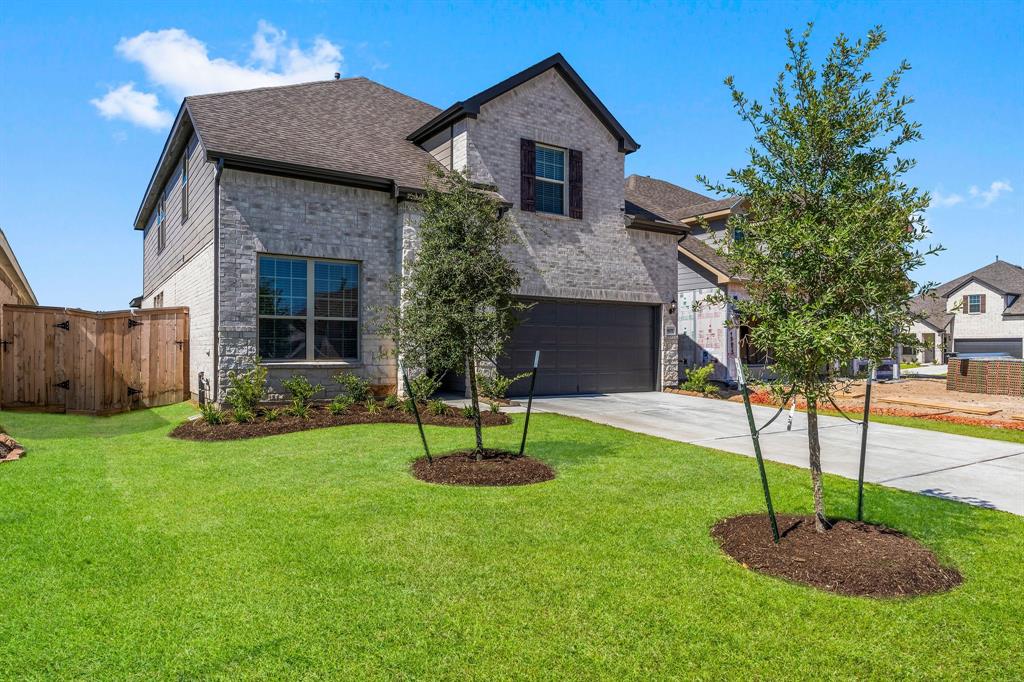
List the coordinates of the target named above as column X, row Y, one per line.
column 672, row 307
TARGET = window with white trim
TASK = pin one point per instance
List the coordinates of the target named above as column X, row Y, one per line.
column 973, row 303
column 292, row 329
column 549, row 192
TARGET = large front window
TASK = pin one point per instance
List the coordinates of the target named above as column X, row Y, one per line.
column 550, row 179
column 292, row 329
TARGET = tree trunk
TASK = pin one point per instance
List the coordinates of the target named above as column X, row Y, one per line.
column 820, row 522
column 475, row 401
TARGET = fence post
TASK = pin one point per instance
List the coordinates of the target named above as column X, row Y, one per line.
column 757, row 450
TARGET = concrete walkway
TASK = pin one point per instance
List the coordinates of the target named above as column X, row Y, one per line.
column 986, row 473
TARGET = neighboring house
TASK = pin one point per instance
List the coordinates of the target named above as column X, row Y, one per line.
column 980, row 312
column 704, row 336
column 14, row 286
column 279, row 215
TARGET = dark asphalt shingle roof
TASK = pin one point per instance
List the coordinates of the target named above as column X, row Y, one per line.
column 659, row 198
column 707, row 253
column 1006, row 277
column 931, row 309
column 352, row 126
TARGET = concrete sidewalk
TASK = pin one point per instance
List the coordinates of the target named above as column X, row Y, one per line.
column 986, row 473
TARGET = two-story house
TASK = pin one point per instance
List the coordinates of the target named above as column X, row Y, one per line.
column 279, row 215
column 980, row 312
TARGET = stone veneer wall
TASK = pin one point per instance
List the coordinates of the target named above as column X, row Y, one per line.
column 986, row 375
column 291, row 217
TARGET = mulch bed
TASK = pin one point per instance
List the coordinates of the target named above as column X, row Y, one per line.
column 10, row 449
column 497, row 468
column 319, row 418
column 853, row 558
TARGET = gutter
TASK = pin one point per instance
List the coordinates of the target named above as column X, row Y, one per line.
column 215, row 384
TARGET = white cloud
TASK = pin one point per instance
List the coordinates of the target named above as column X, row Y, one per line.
column 940, row 200
column 988, row 196
column 127, row 103
column 180, row 65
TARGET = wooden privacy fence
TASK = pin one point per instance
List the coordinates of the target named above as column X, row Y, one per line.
column 75, row 361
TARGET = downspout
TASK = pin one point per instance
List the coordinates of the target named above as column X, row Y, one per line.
column 216, row 278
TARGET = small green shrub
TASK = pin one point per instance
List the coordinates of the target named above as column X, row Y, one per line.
column 301, row 393
column 273, row 414
column 372, row 407
column 211, row 414
column 340, row 404
column 246, row 390
column 438, row 408
column 391, row 401
column 354, row 386
column 244, row 415
column 424, row 385
column 496, row 387
column 699, row 380
column 495, row 408
column 468, row 412
column 408, row 407
column 300, row 410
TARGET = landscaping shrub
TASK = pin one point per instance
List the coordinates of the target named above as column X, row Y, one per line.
column 468, row 412
column 496, row 386
column 273, row 414
column 340, row 404
column 211, row 414
column 354, row 386
column 301, row 394
column 391, row 401
column 372, row 407
column 699, row 380
column 244, row 415
column 424, row 385
column 495, row 408
column 438, row 407
column 246, row 390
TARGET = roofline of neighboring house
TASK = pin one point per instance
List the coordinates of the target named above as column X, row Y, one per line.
column 721, row 213
column 470, row 108
column 975, row 278
column 5, row 246
column 723, row 277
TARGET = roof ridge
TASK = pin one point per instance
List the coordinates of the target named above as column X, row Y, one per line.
column 324, row 81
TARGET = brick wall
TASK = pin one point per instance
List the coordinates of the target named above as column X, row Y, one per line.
column 992, row 376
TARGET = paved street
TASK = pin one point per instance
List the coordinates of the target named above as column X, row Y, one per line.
column 982, row 472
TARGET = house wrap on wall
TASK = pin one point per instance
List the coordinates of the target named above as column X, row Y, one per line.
column 279, row 215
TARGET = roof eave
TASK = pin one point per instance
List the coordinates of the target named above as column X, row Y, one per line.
column 140, row 215
column 637, row 223
column 723, row 277
column 272, row 167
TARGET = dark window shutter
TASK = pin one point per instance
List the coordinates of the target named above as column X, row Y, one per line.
column 966, row 305
column 576, row 184
column 528, row 172
column 981, row 304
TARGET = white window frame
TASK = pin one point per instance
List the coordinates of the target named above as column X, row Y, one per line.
column 311, row 317
column 161, row 221
column 973, row 302
column 563, row 182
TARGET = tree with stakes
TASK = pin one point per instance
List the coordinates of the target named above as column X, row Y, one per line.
column 829, row 234
column 457, row 307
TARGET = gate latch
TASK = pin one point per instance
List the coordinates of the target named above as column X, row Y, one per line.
column 133, row 323
column 65, row 325
column 66, row 384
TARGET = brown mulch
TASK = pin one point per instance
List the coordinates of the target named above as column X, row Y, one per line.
column 319, row 418
column 853, row 558
column 10, row 449
column 497, row 468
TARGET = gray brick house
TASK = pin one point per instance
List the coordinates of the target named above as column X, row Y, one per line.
column 279, row 215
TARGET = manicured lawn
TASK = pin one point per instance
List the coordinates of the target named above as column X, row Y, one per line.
column 990, row 432
column 130, row 555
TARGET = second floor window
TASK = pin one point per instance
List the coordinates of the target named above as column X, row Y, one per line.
column 974, row 303
column 184, row 185
column 161, row 238
column 550, row 173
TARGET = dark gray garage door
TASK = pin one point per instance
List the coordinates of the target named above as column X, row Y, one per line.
column 1011, row 347
column 584, row 348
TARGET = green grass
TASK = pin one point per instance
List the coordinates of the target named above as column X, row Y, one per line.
column 909, row 365
column 128, row 555
column 990, row 432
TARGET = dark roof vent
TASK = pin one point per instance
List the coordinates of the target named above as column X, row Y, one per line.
column 337, row 75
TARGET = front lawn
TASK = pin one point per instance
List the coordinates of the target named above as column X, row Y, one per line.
column 127, row 554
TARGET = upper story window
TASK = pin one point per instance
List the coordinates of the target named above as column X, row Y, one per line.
column 974, row 303
column 161, row 237
column 184, row 185
column 550, row 174
column 292, row 329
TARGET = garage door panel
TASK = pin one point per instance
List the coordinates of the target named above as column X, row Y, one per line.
column 1009, row 346
column 585, row 348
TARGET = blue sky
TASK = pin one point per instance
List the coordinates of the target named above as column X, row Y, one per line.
column 87, row 89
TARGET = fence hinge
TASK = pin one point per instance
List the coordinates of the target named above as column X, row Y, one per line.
column 133, row 323
column 66, row 384
column 133, row 391
column 5, row 344
column 180, row 344
column 65, row 325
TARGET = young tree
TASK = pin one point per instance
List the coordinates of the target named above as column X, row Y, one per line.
column 457, row 306
column 828, row 237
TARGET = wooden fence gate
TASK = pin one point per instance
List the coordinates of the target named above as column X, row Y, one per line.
column 62, row 360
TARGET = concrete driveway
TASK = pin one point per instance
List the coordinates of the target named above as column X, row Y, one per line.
column 986, row 473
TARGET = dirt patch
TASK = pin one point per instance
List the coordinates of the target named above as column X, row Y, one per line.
column 10, row 449
column 852, row 558
column 320, row 418
column 497, row 468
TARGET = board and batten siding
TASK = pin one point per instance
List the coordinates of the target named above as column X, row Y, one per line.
column 183, row 239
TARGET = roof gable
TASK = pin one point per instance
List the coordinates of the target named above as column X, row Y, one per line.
column 471, row 107
column 1000, row 276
